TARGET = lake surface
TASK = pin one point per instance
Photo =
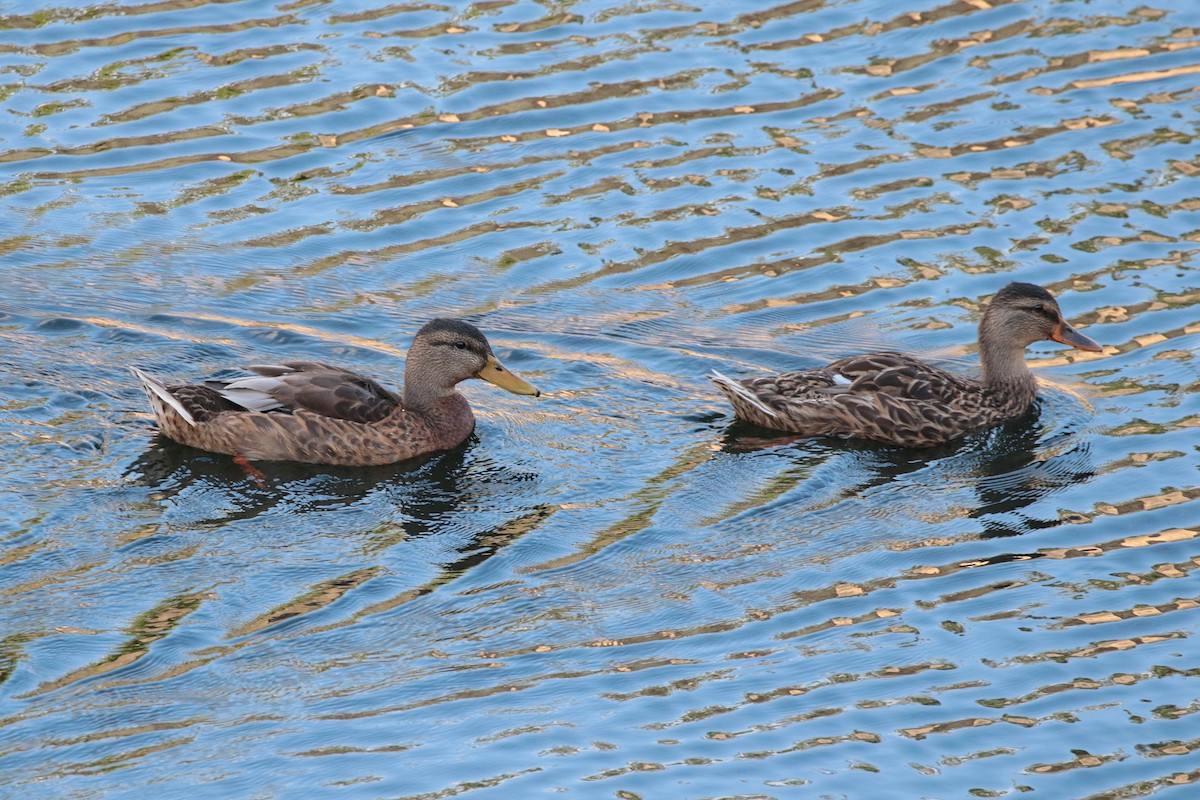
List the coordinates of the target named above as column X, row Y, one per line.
column 611, row 591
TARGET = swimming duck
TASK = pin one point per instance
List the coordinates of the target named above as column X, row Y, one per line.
column 319, row 414
column 900, row 399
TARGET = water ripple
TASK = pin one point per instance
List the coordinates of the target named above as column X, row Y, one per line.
column 612, row 590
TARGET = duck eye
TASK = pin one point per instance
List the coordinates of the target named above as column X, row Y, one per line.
column 460, row 345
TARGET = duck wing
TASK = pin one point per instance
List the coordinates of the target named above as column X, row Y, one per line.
column 310, row 386
column 898, row 375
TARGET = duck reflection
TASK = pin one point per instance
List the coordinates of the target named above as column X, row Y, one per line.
column 449, row 492
column 174, row 469
column 1012, row 466
column 1020, row 464
column 430, row 490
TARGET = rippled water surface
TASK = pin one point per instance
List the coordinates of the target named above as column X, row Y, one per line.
column 611, row 591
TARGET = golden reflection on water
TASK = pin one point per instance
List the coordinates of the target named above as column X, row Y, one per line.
column 613, row 589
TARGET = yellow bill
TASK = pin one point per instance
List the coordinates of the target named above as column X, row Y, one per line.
column 495, row 373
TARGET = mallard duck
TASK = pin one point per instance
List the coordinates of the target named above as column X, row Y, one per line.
column 900, row 399
column 319, row 414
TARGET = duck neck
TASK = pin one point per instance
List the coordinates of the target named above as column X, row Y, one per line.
column 422, row 389
column 1004, row 367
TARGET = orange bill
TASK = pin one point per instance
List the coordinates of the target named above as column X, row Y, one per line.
column 1064, row 333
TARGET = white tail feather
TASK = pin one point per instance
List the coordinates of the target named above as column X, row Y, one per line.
column 725, row 382
column 155, row 388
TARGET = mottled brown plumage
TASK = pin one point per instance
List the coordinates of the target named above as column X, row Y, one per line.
column 316, row 413
column 899, row 399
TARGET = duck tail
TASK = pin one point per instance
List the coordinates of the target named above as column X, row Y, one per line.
column 735, row 391
column 158, row 393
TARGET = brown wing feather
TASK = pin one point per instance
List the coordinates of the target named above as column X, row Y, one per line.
column 202, row 402
column 310, row 386
column 330, row 391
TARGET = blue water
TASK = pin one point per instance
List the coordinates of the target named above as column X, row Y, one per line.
column 612, row 590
